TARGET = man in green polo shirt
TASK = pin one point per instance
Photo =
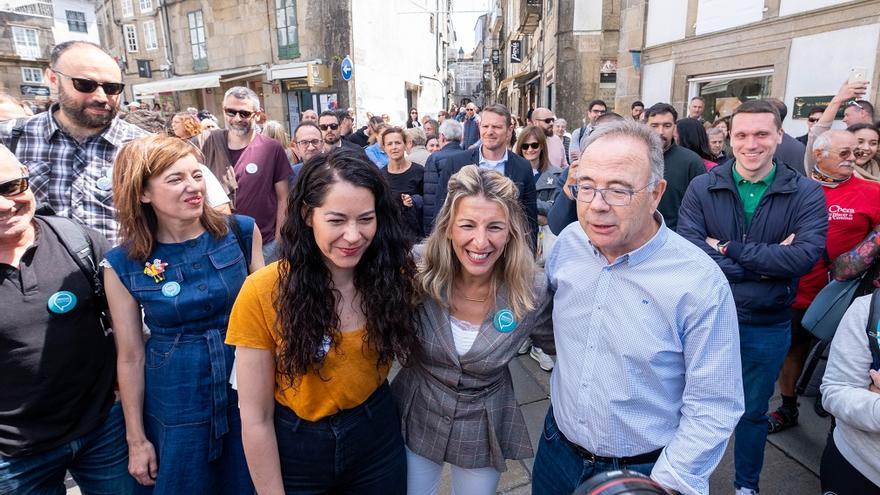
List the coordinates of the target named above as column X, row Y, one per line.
column 751, row 192
column 765, row 225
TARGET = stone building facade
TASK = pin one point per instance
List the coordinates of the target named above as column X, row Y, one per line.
column 28, row 30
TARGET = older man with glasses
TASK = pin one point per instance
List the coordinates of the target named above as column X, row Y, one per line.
column 471, row 129
column 258, row 165
column 647, row 371
column 70, row 149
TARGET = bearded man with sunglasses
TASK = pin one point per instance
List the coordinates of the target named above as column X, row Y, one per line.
column 544, row 119
column 58, row 410
column 69, row 150
column 255, row 168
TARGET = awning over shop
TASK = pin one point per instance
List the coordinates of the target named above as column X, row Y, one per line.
column 196, row 81
column 524, row 78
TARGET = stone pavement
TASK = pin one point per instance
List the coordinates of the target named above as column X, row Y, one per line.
column 791, row 459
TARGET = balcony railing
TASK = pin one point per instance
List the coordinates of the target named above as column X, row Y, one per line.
column 35, row 8
column 530, row 15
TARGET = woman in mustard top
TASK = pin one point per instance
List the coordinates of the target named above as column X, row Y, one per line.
column 316, row 333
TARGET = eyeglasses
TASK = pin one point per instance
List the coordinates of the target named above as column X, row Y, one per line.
column 14, row 187
column 414, row 113
column 232, row 113
column 314, row 143
column 549, row 120
column 613, row 196
column 854, row 103
column 813, row 120
column 84, row 85
column 470, row 109
column 324, row 127
column 844, row 153
column 534, row 146
column 600, row 111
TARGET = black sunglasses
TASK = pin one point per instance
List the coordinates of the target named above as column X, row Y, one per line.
column 232, row 113
column 88, row 86
column 14, row 187
column 534, row 146
column 324, row 127
column 549, row 120
column 812, row 120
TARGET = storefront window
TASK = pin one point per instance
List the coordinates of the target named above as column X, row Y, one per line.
column 723, row 93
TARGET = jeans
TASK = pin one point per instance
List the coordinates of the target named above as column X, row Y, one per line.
column 763, row 350
column 269, row 251
column 559, row 469
column 358, row 451
column 98, row 462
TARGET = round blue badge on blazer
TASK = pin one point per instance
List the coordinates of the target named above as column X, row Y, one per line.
column 62, row 302
column 504, row 321
column 171, row 289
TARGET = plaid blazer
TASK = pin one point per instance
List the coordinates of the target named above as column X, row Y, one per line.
column 462, row 410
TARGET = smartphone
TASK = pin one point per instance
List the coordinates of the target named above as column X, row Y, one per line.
column 857, row 74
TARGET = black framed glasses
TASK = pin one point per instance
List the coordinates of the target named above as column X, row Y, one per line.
column 314, row 143
column 245, row 114
column 84, row 85
column 549, row 120
column 813, row 120
column 14, row 187
column 324, row 127
column 534, row 146
column 613, row 196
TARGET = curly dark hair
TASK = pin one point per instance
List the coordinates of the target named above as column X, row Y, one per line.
column 306, row 298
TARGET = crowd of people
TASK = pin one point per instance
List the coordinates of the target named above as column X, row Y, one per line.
column 203, row 308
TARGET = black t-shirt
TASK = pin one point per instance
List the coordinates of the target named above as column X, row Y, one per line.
column 409, row 182
column 57, row 369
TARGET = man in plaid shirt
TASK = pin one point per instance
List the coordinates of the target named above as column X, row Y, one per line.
column 69, row 150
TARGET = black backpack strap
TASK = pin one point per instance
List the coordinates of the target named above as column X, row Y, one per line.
column 78, row 244
column 873, row 320
column 235, row 228
column 16, row 134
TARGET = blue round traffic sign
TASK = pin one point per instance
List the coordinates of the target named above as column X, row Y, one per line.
column 346, row 68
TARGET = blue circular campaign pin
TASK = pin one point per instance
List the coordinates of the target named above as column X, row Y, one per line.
column 171, row 289
column 62, row 302
column 504, row 321
column 105, row 184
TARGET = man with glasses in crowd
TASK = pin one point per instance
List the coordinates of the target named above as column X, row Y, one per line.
column 261, row 169
column 69, row 150
column 544, row 118
column 309, row 142
column 765, row 225
column 647, row 368
column 595, row 109
column 812, row 118
column 58, row 411
column 471, row 129
column 328, row 123
column 856, row 111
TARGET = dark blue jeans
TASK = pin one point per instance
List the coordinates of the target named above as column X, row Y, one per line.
column 763, row 349
column 98, row 462
column 559, row 469
column 357, row 451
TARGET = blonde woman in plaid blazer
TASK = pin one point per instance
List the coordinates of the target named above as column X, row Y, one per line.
column 483, row 297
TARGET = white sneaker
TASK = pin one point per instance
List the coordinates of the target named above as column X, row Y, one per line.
column 545, row 362
column 745, row 491
column 524, row 348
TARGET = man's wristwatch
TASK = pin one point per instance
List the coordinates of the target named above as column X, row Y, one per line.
column 721, row 247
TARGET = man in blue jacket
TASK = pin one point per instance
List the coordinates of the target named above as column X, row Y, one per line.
column 495, row 129
column 765, row 226
column 450, row 144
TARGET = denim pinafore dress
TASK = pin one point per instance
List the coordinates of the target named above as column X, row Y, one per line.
column 191, row 413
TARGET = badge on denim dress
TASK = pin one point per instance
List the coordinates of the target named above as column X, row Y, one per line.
column 504, row 321
column 171, row 289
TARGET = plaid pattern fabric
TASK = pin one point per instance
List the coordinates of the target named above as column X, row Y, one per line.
column 463, row 410
column 68, row 175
